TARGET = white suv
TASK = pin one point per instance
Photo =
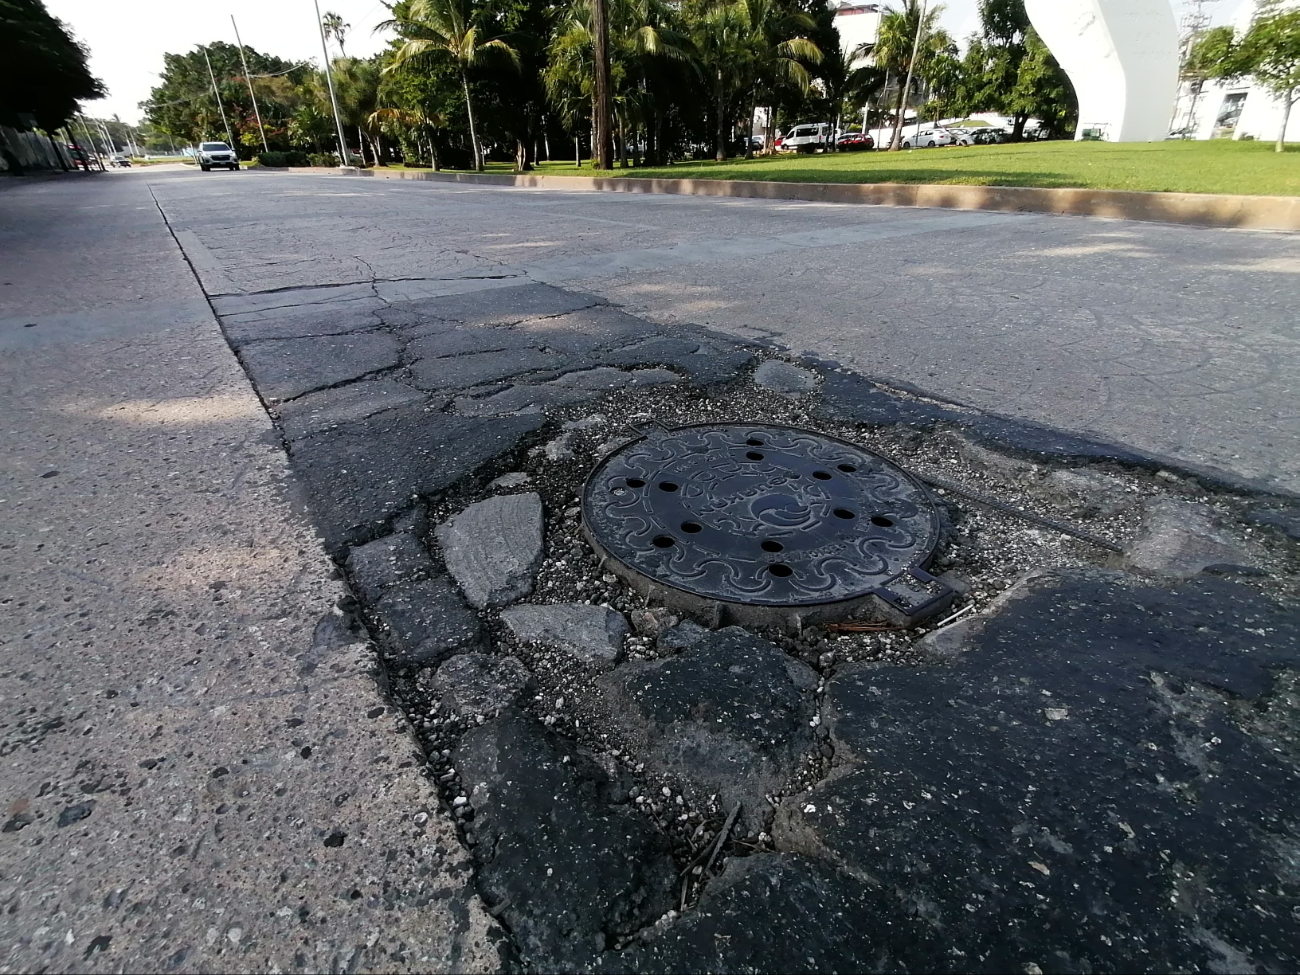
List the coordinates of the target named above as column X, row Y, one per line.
column 217, row 154
column 807, row 138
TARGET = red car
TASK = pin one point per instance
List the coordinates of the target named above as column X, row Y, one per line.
column 851, row 141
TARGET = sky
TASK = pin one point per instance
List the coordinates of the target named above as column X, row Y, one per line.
column 127, row 39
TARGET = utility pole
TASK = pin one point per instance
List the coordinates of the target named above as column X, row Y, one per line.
column 907, row 88
column 217, row 95
column 249, row 78
column 329, row 80
column 603, row 121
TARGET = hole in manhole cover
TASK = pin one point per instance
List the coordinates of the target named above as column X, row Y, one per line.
column 762, row 524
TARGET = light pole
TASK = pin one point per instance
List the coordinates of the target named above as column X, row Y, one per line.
column 249, row 78
column 329, row 80
column 217, row 95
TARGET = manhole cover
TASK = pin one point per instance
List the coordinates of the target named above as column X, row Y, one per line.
column 764, row 524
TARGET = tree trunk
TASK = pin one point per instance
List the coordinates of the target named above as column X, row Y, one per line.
column 602, row 117
column 720, row 152
column 473, row 136
column 577, row 151
column 433, row 155
column 749, row 129
column 1018, row 129
column 361, row 145
column 622, row 143
column 895, row 143
column 1287, row 101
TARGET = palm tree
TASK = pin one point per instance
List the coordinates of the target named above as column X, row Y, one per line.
column 898, row 48
column 335, row 28
column 746, row 43
column 638, row 32
column 433, row 28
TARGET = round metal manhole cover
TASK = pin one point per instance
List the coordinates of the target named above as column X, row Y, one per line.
column 774, row 518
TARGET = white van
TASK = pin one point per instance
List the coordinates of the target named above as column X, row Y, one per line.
column 807, row 138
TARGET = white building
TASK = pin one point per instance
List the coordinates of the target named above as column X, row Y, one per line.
column 1240, row 109
column 858, row 24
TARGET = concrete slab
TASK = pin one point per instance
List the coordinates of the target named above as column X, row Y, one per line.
column 179, row 690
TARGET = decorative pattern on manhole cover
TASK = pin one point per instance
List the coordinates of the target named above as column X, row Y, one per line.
column 764, row 522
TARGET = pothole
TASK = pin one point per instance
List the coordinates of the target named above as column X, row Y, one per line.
column 765, row 525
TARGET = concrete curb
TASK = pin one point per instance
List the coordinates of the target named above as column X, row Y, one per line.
column 1195, row 209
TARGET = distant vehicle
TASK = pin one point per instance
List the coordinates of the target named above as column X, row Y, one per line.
column 121, row 159
column 961, row 137
column 217, row 155
column 927, row 139
column 854, row 141
column 807, row 138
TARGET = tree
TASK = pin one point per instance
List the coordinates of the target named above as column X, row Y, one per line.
column 898, row 49
column 849, row 81
column 744, row 45
column 184, row 106
column 43, row 71
column 1043, row 90
column 1269, row 52
column 434, row 29
column 336, row 28
column 357, row 84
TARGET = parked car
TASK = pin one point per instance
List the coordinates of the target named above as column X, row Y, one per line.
column 927, row 138
column 961, row 137
column 218, row 155
column 988, row 136
column 807, row 138
column 121, row 159
column 854, row 141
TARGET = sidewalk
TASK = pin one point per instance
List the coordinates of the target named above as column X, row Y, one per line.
column 200, row 770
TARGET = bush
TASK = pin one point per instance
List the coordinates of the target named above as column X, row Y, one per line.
column 323, row 159
column 294, row 157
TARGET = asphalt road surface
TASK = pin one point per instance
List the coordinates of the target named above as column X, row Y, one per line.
column 216, row 720
column 1178, row 341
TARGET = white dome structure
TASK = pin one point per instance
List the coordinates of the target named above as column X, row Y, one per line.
column 1121, row 55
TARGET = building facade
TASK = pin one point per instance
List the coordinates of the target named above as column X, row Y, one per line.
column 1236, row 109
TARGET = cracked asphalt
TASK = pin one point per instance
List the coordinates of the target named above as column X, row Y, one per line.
column 238, row 659
column 1178, row 341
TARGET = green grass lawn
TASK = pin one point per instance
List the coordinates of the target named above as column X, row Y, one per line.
column 1220, row 166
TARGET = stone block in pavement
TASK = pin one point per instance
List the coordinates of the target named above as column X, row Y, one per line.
column 473, row 684
column 564, row 861
column 782, row 377
column 1180, row 539
column 1104, row 761
column 356, row 401
column 285, row 368
column 593, row 634
column 493, row 548
column 363, row 473
column 385, row 562
column 728, row 715
column 775, row 913
column 426, row 622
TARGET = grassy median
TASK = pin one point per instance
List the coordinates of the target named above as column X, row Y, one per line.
column 1220, row 166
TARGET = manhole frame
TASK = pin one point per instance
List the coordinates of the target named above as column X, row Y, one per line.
column 905, row 599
